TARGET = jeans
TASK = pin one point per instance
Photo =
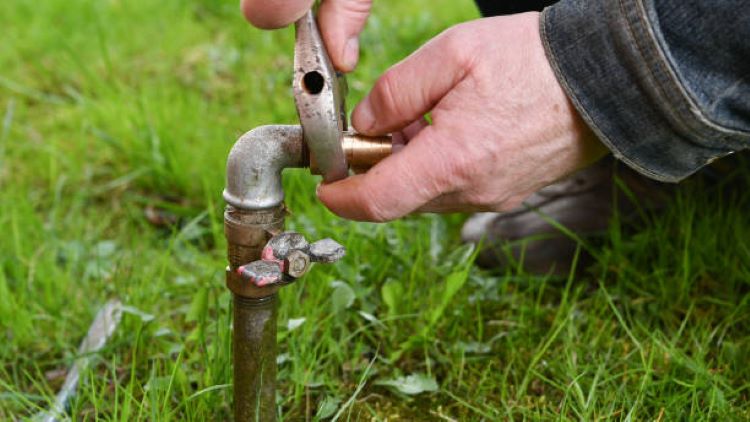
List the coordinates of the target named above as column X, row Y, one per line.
column 664, row 84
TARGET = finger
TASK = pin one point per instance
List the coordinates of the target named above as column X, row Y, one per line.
column 410, row 132
column 412, row 87
column 340, row 23
column 402, row 137
column 272, row 14
column 396, row 186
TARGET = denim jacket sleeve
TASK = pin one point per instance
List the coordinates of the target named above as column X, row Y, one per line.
column 665, row 84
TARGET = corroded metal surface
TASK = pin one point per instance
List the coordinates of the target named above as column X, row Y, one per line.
column 326, row 251
column 254, row 312
column 255, row 163
column 247, row 233
column 319, row 99
column 261, row 273
column 288, row 256
column 254, row 352
column 259, row 261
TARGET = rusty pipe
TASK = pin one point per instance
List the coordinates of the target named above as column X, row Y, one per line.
column 254, row 349
column 254, row 313
column 256, row 160
column 255, row 212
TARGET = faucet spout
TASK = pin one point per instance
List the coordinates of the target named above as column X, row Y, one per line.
column 255, row 163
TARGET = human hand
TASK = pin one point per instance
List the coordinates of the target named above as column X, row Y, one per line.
column 340, row 23
column 502, row 126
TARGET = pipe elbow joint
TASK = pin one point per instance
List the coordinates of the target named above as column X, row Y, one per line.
column 255, row 164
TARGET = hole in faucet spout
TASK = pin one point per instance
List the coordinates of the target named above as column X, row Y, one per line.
column 313, row 82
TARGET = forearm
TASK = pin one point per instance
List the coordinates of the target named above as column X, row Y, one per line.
column 663, row 83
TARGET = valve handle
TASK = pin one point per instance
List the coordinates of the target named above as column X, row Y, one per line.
column 287, row 257
column 319, row 96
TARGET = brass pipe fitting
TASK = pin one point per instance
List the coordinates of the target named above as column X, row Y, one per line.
column 362, row 152
column 254, row 214
column 247, row 232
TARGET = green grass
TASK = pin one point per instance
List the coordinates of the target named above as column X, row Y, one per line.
column 109, row 107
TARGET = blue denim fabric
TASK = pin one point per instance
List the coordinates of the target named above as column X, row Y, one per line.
column 665, row 84
column 508, row 7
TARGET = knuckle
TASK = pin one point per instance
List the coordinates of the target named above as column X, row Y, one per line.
column 261, row 16
column 463, row 174
column 457, row 43
column 347, row 15
column 370, row 206
column 385, row 93
column 357, row 7
column 440, row 164
column 465, row 171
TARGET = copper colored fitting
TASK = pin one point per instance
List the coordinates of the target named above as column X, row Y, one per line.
column 362, row 152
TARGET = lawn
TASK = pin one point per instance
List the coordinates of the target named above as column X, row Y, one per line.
column 116, row 118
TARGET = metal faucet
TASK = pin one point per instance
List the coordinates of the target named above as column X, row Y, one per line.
column 262, row 257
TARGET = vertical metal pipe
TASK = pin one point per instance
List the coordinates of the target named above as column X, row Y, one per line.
column 254, row 351
column 254, row 313
column 255, row 213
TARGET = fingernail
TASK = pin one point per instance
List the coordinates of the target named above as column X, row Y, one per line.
column 363, row 117
column 317, row 190
column 351, row 53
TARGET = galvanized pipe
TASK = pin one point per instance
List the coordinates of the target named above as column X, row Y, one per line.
column 255, row 163
column 254, row 314
column 255, row 212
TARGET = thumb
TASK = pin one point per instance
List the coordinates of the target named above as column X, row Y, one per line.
column 396, row 186
column 340, row 23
